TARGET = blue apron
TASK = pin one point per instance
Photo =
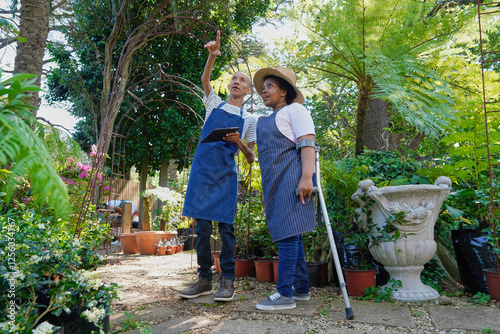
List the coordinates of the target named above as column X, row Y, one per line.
column 281, row 170
column 213, row 182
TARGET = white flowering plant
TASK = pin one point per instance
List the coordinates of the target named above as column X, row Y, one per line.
column 164, row 243
column 47, row 270
column 172, row 204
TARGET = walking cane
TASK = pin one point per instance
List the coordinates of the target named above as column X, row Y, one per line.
column 317, row 189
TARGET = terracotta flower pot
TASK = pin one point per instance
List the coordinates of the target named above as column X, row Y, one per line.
column 169, row 235
column 358, row 280
column 493, row 283
column 275, row 270
column 170, row 250
column 147, row 240
column 161, row 250
column 264, row 270
column 244, row 268
column 128, row 243
column 179, row 248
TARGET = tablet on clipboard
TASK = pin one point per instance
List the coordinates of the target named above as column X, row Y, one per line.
column 218, row 134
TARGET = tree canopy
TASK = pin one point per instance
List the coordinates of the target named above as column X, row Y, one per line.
column 382, row 47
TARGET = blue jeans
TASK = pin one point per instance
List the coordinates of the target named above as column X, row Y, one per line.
column 292, row 270
column 204, row 251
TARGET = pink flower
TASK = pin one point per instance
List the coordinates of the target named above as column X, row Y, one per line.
column 70, row 159
column 85, row 168
column 106, row 188
column 99, row 176
column 63, row 178
column 83, row 174
column 70, row 181
column 93, row 150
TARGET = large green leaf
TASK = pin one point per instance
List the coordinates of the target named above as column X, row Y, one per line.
column 21, row 148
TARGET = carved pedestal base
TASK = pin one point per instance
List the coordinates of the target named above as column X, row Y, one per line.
column 412, row 290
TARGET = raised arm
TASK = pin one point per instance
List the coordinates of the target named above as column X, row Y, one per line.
column 213, row 48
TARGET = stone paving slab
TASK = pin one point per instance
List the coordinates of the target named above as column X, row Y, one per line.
column 353, row 331
column 257, row 327
column 133, row 298
column 177, row 325
column 374, row 313
column 466, row 317
column 304, row 308
column 146, row 314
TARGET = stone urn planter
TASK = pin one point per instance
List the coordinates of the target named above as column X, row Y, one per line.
column 417, row 207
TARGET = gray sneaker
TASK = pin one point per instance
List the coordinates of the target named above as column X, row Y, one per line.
column 201, row 288
column 276, row 302
column 226, row 291
column 301, row 296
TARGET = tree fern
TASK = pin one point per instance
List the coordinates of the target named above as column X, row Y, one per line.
column 21, row 148
column 383, row 47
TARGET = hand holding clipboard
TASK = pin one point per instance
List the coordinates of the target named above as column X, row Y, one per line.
column 218, row 134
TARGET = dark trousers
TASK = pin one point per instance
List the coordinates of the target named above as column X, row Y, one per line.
column 204, row 251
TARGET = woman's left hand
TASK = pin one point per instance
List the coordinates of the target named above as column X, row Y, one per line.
column 305, row 189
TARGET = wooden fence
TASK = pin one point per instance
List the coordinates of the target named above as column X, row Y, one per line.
column 128, row 190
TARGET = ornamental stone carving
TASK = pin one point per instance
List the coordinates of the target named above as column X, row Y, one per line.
column 404, row 259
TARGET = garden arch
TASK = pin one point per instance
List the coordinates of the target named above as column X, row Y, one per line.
column 115, row 133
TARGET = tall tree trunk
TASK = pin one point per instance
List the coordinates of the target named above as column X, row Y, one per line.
column 143, row 173
column 163, row 182
column 375, row 137
column 34, row 26
column 172, row 171
column 364, row 92
column 116, row 76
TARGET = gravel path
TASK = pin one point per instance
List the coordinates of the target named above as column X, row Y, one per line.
column 159, row 277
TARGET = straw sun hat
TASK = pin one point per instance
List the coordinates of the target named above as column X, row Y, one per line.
column 280, row 72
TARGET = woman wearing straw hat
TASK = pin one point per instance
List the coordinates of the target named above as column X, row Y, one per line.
column 285, row 141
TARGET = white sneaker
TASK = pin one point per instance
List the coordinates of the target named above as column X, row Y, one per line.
column 276, row 302
column 116, row 243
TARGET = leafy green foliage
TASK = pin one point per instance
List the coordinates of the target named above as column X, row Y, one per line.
column 384, row 49
column 165, row 130
column 432, row 275
column 43, row 266
column 481, row 298
column 381, row 294
column 22, row 150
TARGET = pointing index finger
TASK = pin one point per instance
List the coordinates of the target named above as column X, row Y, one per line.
column 218, row 37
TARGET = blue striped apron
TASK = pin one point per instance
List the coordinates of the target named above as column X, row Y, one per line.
column 281, row 170
column 213, row 182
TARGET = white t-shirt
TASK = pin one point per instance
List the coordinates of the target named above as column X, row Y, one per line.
column 249, row 132
column 114, row 203
column 294, row 121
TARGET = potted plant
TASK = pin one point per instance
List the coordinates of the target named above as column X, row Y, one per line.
column 179, row 244
column 317, row 272
column 161, row 247
column 147, row 239
column 264, row 267
column 492, row 274
column 170, row 247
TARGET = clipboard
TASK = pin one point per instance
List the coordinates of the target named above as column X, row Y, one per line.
column 218, row 134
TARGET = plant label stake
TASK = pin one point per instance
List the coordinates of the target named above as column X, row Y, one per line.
column 348, row 309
